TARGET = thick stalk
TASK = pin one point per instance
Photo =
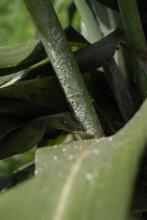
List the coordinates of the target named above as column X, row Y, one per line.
column 56, row 46
column 132, row 24
column 135, row 34
column 117, row 82
column 90, row 25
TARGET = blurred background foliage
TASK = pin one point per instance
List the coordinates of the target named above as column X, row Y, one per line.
column 16, row 25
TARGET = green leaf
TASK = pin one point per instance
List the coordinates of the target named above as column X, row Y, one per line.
column 8, row 124
column 117, row 83
column 110, row 3
column 14, row 130
column 120, row 89
column 27, row 108
column 39, row 89
column 92, row 31
column 18, row 57
column 83, row 180
column 140, row 196
column 22, row 139
column 133, row 27
column 62, row 121
column 36, row 95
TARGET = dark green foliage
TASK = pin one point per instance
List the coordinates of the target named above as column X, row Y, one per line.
column 61, row 88
column 37, row 95
column 15, row 24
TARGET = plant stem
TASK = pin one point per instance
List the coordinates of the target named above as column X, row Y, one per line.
column 91, row 30
column 132, row 24
column 117, row 83
column 56, row 46
column 135, row 34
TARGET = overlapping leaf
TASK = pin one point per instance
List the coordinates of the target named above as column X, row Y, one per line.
column 21, row 56
column 22, row 139
column 90, row 173
column 18, row 136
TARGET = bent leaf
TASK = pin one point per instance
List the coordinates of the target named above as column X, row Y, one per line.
column 8, row 124
column 88, row 58
column 18, row 57
column 82, row 180
column 22, row 139
column 35, row 96
column 27, row 108
column 110, row 3
column 39, row 89
column 63, row 121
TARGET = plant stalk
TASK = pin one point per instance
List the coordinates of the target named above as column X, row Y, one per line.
column 134, row 31
column 64, row 64
column 117, row 83
column 132, row 24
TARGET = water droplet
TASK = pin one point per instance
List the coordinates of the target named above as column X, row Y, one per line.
column 64, row 149
column 89, row 176
column 97, row 140
column 95, row 151
column 110, row 139
column 71, row 157
column 55, row 157
column 36, row 172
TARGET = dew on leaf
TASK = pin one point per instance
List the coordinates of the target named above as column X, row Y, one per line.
column 89, row 176
column 95, row 151
column 110, row 139
column 55, row 157
column 71, row 157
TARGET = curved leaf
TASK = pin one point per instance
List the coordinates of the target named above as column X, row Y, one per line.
column 8, row 124
column 110, row 3
column 113, row 4
column 28, row 108
column 36, row 95
column 100, row 52
column 13, row 130
column 39, row 89
column 82, row 180
column 88, row 58
column 22, row 139
column 17, row 57
column 62, row 121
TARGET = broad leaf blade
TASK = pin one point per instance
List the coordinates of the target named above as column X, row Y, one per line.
column 36, row 96
column 22, row 139
column 8, row 124
column 110, row 3
column 83, row 180
column 27, row 108
column 39, row 89
column 62, row 121
column 18, row 57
